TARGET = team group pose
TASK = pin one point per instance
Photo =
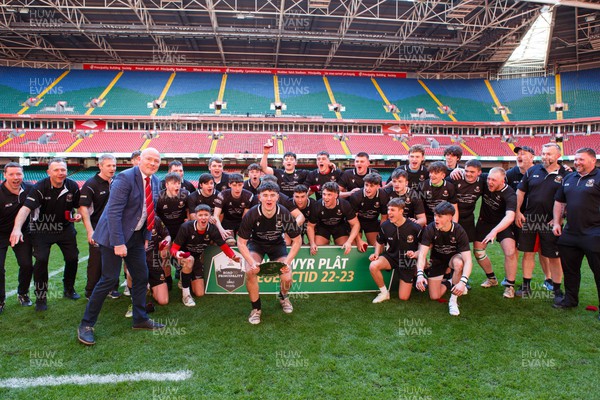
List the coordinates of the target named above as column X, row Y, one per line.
column 419, row 224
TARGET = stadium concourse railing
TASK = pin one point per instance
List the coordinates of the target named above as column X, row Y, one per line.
column 247, row 146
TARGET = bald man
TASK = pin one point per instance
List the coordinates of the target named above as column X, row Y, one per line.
column 122, row 231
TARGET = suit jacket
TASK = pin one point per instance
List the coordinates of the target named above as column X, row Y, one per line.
column 124, row 208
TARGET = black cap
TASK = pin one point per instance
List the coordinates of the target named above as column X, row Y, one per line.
column 525, row 148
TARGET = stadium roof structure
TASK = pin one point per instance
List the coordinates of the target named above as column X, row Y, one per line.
column 427, row 37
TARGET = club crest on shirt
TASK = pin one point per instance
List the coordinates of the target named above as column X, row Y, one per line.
column 452, row 240
column 589, row 183
column 339, row 212
column 445, row 194
column 410, row 239
column 558, row 179
column 422, row 178
column 278, row 224
column 70, row 197
column 477, row 189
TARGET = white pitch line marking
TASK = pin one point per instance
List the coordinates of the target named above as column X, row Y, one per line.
column 50, row 275
column 49, row 380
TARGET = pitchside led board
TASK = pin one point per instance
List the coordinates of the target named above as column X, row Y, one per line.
column 330, row 271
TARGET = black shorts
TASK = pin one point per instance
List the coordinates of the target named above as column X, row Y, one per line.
column 439, row 267
column 369, row 225
column 156, row 274
column 198, row 268
column 468, row 225
column 548, row 243
column 516, row 232
column 405, row 267
column 231, row 225
column 273, row 251
column 483, row 229
column 337, row 231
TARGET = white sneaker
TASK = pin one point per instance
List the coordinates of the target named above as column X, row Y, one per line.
column 254, row 318
column 489, row 282
column 286, row 304
column 509, row 292
column 126, row 291
column 453, row 306
column 129, row 312
column 188, row 300
column 381, row 297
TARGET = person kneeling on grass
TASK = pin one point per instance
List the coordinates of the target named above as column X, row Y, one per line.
column 262, row 232
column 332, row 217
column 191, row 241
column 156, row 260
column 401, row 237
column 450, row 263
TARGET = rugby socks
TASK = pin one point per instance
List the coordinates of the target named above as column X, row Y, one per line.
column 281, row 296
column 169, row 281
column 186, row 280
column 491, row 275
column 526, row 283
column 555, row 287
column 510, row 283
column 256, row 305
column 447, row 283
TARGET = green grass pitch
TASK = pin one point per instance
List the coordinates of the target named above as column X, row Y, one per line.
column 332, row 347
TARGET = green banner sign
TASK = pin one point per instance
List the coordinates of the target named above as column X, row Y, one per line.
column 330, row 271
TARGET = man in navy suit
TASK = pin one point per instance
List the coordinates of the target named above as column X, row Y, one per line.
column 122, row 231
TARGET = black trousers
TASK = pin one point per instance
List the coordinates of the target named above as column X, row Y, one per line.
column 67, row 242
column 22, row 253
column 571, row 258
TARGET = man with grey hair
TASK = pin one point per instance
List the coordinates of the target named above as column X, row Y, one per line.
column 122, row 232
column 536, row 190
column 496, row 215
column 93, row 199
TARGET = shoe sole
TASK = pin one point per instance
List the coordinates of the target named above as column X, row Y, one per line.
column 254, row 322
column 147, row 329
column 379, row 301
column 85, row 341
column 488, row 286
